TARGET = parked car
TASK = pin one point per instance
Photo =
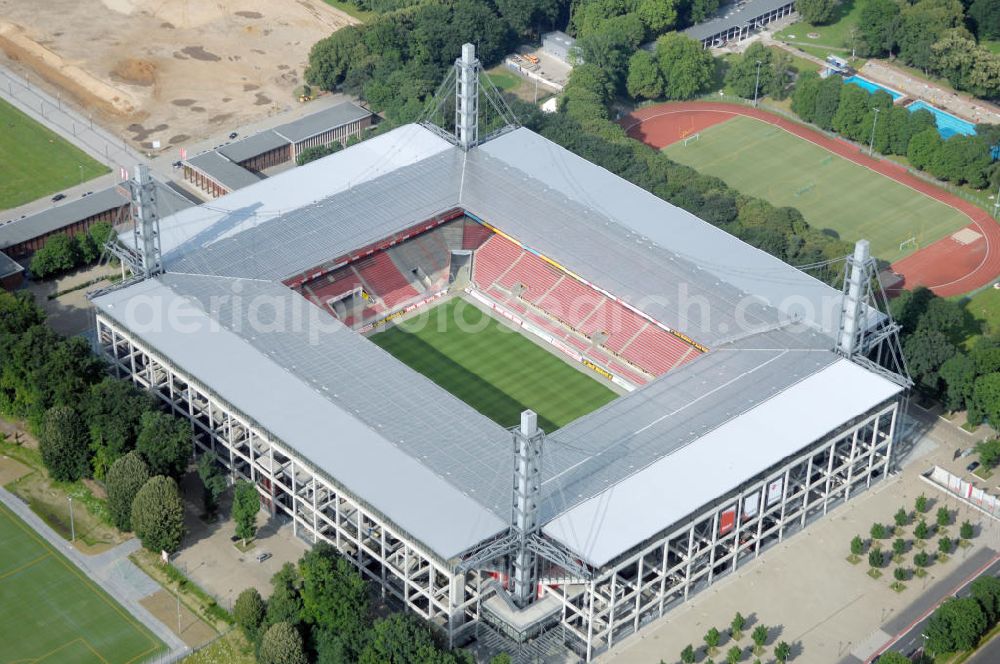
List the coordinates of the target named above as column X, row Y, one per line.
column 262, row 556
column 972, row 466
column 233, row 135
column 58, row 197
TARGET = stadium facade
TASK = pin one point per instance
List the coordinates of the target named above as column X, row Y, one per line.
column 251, row 323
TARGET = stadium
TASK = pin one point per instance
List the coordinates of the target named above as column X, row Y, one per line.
column 534, row 403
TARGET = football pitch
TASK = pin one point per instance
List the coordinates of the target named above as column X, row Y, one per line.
column 36, row 162
column 832, row 192
column 492, row 368
column 51, row 613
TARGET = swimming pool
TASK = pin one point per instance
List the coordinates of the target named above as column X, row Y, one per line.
column 872, row 86
column 947, row 124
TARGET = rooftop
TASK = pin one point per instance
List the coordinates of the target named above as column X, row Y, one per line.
column 733, row 15
column 769, row 328
column 251, row 146
column 229, row 174
column 325, row 120
column 8, row 266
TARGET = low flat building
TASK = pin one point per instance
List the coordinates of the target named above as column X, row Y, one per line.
column 22, row 237
column 560, row 46
column 11, row 273
column 241, row 163
column 737, row 21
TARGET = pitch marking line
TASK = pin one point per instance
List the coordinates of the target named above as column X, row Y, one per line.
column 26, row 565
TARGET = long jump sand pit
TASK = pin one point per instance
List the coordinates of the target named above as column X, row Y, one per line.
column 169, row 70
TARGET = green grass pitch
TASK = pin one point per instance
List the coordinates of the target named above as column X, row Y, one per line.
column 50, row 612
column 492, row 368
column 830, row 191
column 36, row 162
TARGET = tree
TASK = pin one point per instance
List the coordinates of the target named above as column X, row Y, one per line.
column 986, row 591
column 817, row 12
column 986, row 400
column 687, row 655
column 659, row 16
column 63, row 444
column 965, row 531
column 985, row 16
column 114, row 411
column 782, row 652
column 611, row 44
column 804, row 96
column 334, row 597
column 248, row 612
column 733, row 655
column 921, row 531
column 164, row 441
column 317, row 152
column 124, row 479
column 989, row 452
column 857, row 546
column 899, row 546
column 921, row 504
column 644, row 78
column 737, row 625
column 504, row 658
column 923, row 24
column 902, row 517
column 158, row 515
column 712, row 637
column 900, row 574
column 687, row 68
column 923, row 149
column 827, row 101
column 944, row 545
column 926, row 350
column 285, row 603
column 893, row 658
column 281, row 644
column 742, row 74
column 943, row 517
column 401, row 639
column 879, row 22
column 759, row 636
column 958, row 374
column 246, row 504
column 875, row 558
column 213, row 481
column 921, row 559
column 588, row 93
column 956, row 625
column 60, row 253
column 878, row 531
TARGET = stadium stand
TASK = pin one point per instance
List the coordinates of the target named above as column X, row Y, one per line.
column 474, row 235
column 601, row 328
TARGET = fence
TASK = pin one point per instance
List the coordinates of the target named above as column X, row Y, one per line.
column 964, row 490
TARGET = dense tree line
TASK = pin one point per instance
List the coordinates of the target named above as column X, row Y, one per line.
column 934, row 335
column 321, row 611
column 851, row 111
column 91, row 425
column 63, row 252
column 772, row 78
column 939, row 37
column 958, row 624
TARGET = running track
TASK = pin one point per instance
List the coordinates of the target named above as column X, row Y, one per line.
column 947, row 267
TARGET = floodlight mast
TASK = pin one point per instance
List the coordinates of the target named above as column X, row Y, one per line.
column 528, row 439
column 467, row 98
column 145, row 223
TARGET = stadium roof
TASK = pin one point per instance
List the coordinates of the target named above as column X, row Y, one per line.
column 8, row 266
column 679, row 269
column 734, row 15
column 70, row 212
column 229, row 174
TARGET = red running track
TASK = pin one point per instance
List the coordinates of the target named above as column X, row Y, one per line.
column 947, row 266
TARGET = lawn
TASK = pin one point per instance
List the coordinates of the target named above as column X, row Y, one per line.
column 493, row 369
column 831, row 192
column 835, row 37
column 35, row 162
column 351, row 9
column 504, row 79
column 51, row 613
column 985, row 306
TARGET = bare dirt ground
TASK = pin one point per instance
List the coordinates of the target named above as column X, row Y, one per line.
column 169, row 70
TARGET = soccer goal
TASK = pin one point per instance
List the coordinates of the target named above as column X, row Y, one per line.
column 692, row 137
column 910, row 243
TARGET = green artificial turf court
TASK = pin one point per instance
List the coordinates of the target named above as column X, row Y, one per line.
column 51, row 613
column 491, row 367
column 36, row 162
column 831, row 192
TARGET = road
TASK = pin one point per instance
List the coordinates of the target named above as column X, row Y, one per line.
column 909, row 625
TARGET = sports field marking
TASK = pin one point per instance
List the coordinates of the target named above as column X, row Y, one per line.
column 51, row 612
column 492, row 368
column 966, row 236
column 37, row 162
column 831, row 191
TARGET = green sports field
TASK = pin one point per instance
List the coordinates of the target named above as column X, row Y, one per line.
column 50, row 613
column 493, row 369
column 35, row 162
column 831, row 192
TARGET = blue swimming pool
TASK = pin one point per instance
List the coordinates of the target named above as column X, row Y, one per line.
column 947, row 124
column 872, row 86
